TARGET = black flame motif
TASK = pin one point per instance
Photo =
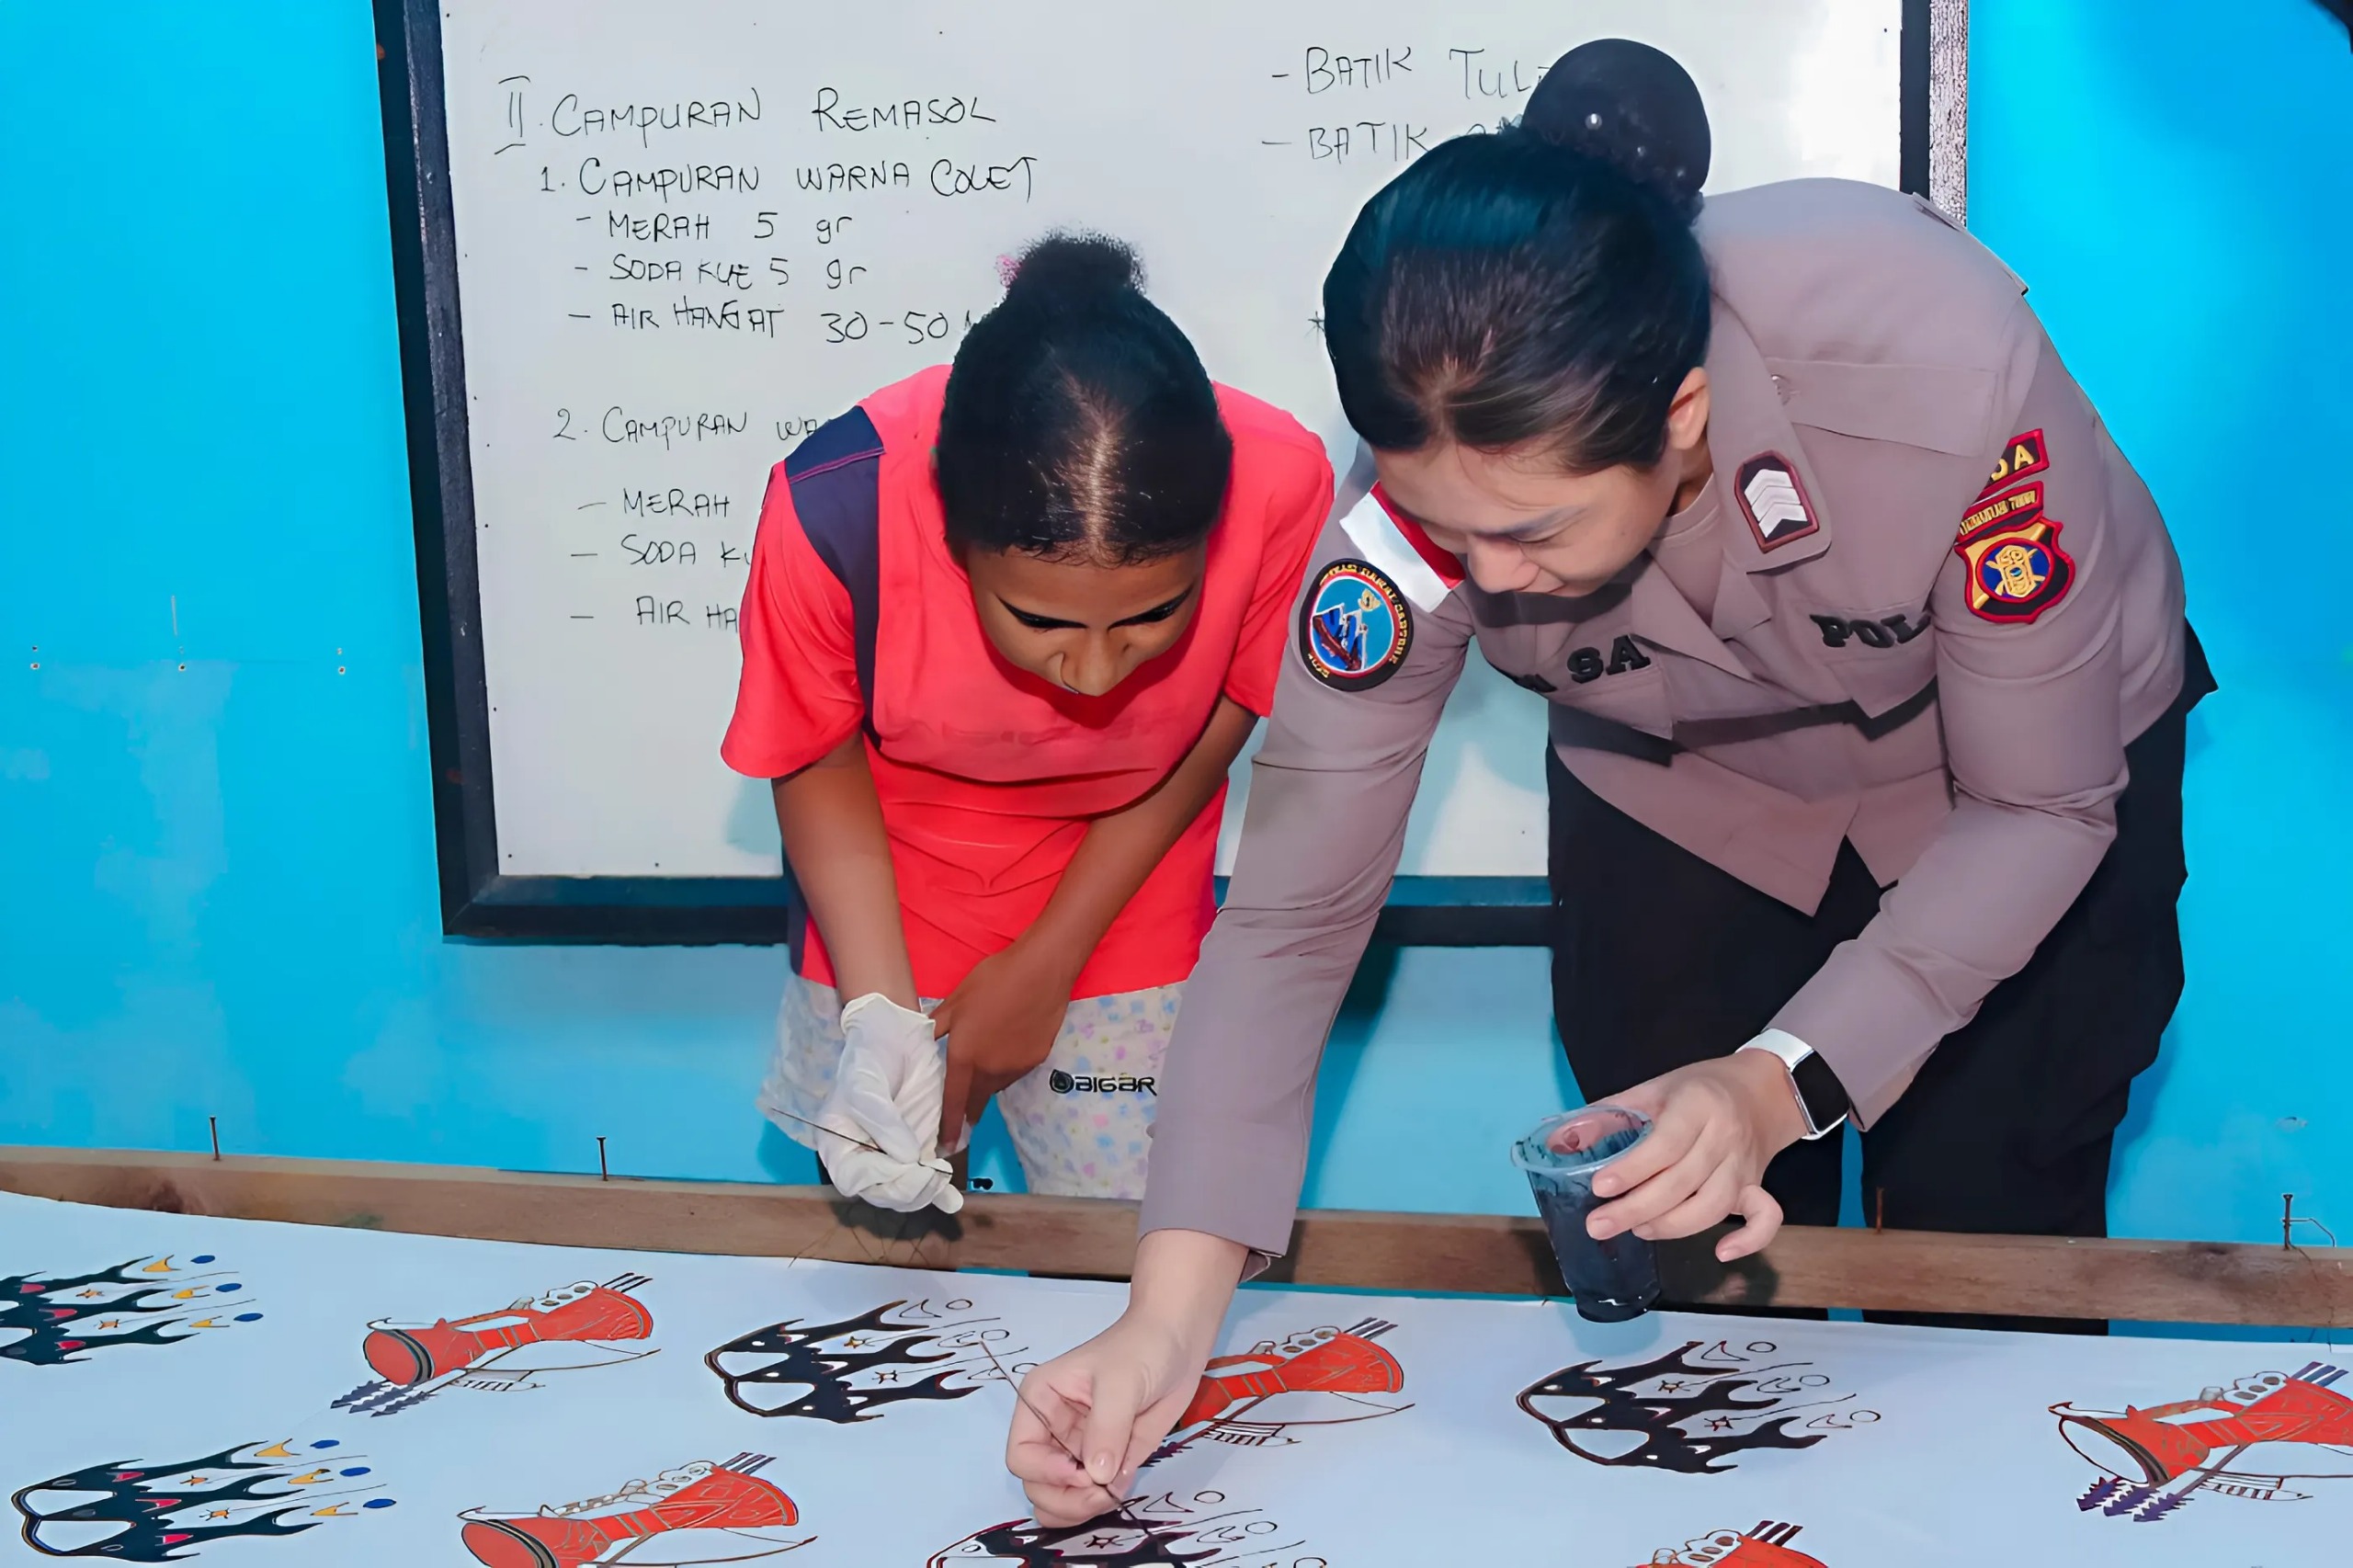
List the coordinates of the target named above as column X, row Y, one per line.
column 1672, row 1426
column 162, row 1523
column 1038, row 1546
column 1162, row 1531
column 808, row 1354
column 56, row 1327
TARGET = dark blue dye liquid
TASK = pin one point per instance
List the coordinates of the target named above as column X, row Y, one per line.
column 1610, row 1281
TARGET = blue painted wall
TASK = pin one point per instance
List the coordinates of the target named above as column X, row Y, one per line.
column 214, row 831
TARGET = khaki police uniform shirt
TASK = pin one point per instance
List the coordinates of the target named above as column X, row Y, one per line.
column 1854, row 633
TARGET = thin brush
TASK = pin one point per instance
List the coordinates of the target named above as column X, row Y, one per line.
column 1047, row 1426
column 829, row 1132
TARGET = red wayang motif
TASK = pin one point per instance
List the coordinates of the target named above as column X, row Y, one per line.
column 1318, row 1377
column 1767, row 1546
column 2246, row 1441
column 729, row 1498
column 407, row 1354
column 1345, row 1362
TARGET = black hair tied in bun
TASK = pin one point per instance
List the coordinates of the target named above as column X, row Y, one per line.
column 1541, row 285
column 1074, row 269
column 1631, row 106
column 1078, row 423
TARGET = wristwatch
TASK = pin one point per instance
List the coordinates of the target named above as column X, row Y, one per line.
column 1822, row 1100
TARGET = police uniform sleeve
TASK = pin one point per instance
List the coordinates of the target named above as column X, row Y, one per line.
column 1364, row 679
column 2063, row 549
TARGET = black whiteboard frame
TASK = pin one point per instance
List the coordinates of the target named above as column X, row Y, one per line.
column 477, row 900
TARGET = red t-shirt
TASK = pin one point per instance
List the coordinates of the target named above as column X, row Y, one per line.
column 988, row 775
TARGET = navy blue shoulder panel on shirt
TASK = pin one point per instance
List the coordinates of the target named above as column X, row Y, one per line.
column 836, row 476
column 847, row 438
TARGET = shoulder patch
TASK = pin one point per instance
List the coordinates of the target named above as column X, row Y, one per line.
column 1773, row 501
column 2025, row 454
column 1390, row 541
column 1354, row 626
column 2015, row 568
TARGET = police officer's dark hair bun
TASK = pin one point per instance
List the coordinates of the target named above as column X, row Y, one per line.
column 1079, row 424
column 1540, row 284
column 1633, row 107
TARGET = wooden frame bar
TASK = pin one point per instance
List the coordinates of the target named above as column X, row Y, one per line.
column 2211, row 1282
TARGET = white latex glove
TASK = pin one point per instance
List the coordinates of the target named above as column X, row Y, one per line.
column 887, row 1093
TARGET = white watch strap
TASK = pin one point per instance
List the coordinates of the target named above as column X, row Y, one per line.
column 1783, row 1044
column 1791, row 1050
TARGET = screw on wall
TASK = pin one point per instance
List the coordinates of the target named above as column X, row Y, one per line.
column 2290, row 1219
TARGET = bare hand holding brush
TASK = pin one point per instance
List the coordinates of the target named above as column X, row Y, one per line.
column 1089, row 1418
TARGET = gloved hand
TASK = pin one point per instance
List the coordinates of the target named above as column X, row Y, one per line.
column 887, row 1093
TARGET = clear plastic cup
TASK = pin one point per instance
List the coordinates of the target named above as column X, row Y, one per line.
column 1613, row 1280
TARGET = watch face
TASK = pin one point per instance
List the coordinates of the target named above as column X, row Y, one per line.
column 1819, row 1090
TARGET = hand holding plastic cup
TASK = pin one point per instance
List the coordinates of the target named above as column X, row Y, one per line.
column 1613, row 1280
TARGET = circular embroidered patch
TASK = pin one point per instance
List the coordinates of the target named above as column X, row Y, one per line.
column 1355, row 626
column 2015, row 571
column 2018, row 569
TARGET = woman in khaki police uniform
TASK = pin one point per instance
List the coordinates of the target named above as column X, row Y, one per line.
column 1866, row 657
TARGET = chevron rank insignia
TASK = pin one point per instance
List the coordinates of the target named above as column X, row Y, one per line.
column 1774, row 502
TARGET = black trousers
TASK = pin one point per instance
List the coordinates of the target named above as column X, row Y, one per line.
column 1660, row 959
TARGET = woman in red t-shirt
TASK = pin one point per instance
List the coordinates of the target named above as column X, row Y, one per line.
column 1009, row 624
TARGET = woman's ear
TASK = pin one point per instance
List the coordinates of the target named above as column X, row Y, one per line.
column 1687, row 416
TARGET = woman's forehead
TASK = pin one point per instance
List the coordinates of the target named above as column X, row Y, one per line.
column 1078, row 588
column 1481, row 491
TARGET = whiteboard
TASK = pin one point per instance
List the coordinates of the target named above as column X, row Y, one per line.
column 686, row 234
